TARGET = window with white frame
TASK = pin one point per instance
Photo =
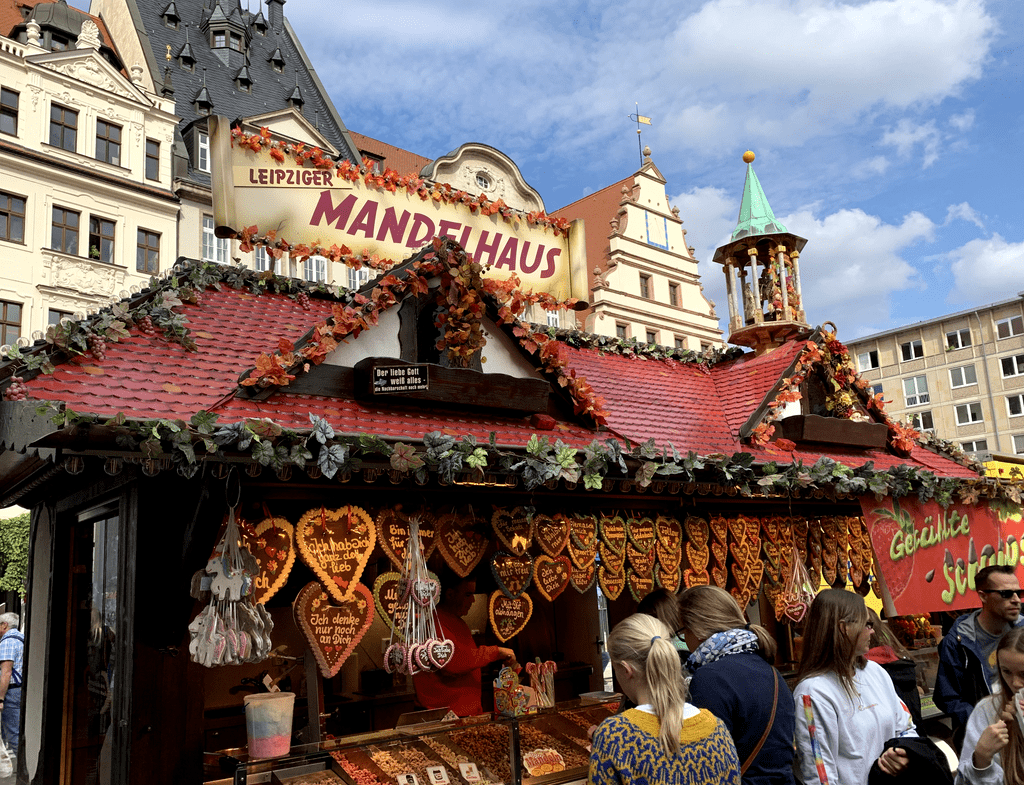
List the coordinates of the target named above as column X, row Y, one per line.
column 1015, row 405
column 1007, row 328
column 554, row 318
column 867, row 360
column 978, row 445
column 215, row 249
column 911, row 350
column 915, row 390
column 958, row 339
column 357, row 278
column 922, row 421
column 1013, row 366
column 967, row 413
column 260, row 259
column 1018, row 444
column 962, row 376
column 203, row 152
column 314, row 269
column 875, row 389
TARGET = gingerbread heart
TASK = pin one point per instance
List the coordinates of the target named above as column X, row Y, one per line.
column 509, row 615
column 667, row 577
column 697, row 557
column 582, row 578
column 719, row 576
column 333, row 631
column 669, row 532
column 665, row 556
column 771, row 553
column 440, row 652
column 272, row 543
column 770, row 526
column 697, row 531
column 639, row 585
column 755, row 574
column 696, row 578
column 615, row 562
column 335, row 545
column 394, row 658
column 581, row 557
column 387, row 595
column 641, row 534
column 738, row 528
column 551, row 532
column 513, row 573
column 551, row 575
column 514, row 528
column 461, row 544
column 393, row 526
column 642, row 563
column 613, row 532
column 612, row 583
column 583, row 531
column 795, row 611
column 425, row 591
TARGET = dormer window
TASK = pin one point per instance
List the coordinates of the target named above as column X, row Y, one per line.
column 235, row 40
column 259, row 24
column 277, row 61
column 170, row 17
column 203, row 103
column 243, row 82
column 186, row 59
column 220, row 39
column 295, row 100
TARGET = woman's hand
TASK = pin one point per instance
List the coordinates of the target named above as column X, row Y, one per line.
column 508, row 656
column 992, row 739
column 893, row 761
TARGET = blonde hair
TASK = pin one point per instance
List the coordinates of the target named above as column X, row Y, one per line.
column 644, row 642
column 883, row 636
column 1012, row 756
column 705, row 610
column 661, row 604
column 828, row 647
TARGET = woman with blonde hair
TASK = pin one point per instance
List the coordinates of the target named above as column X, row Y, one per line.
column 734, row 679
column 993, row 751
column 664, row 739
column 846, row 707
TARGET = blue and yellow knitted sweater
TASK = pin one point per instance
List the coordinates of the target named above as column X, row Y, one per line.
column 626, row 751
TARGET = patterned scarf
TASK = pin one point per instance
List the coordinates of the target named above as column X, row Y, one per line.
column 722, row 644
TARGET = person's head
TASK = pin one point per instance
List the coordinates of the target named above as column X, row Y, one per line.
column 881, row 635
column 1010, row 661
column 705, row 610
column 9, row 621
column 836, row 635
column 457, row 597
column 647, row 667
column 661, row 604
column 992, row 583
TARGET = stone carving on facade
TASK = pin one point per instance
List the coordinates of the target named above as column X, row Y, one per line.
column 32, row 32
column 84, row 276
column 90, row 72
column 89, row 38
column 137, row 74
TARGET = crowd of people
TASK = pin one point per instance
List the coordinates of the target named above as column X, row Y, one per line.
column 705, row 704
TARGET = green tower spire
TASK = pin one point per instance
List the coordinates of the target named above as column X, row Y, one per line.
column 756, row 216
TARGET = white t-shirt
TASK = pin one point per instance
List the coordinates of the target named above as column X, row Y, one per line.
column 850, row 733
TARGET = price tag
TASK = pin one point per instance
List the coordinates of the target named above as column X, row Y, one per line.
column 469, row 772
column 438, row 774
column 408, row 779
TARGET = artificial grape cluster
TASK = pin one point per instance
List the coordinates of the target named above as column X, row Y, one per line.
column 147, row 327
column 303, row 299
column 16, row 390
column 97, row 346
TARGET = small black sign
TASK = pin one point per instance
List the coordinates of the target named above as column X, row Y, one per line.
column 399, row 379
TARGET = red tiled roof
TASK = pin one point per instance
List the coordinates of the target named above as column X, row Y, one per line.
column 402, row 161
column 743, row 383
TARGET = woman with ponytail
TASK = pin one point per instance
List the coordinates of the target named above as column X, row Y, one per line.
column 993, row 751
column 734, row 679
column 664, row 739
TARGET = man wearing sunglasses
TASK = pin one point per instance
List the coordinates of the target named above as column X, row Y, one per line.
column 967, row 654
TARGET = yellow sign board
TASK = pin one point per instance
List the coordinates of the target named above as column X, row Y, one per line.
column 306, row 205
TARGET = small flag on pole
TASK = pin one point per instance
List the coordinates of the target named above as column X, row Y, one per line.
column 641, row 119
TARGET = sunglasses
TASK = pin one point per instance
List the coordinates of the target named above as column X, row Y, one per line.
column 1006, row 594
column 869, row 624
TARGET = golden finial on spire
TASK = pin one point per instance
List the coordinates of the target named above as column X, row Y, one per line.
column 748, row 157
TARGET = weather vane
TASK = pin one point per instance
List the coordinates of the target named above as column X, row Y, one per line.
column 640, row 120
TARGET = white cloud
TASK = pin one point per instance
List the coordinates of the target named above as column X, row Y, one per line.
column 963, row 212
column 962, row 122
column 985, row 270
column 872, row 167
column 907, row 135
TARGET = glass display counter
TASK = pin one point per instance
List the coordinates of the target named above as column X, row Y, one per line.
column 548, row 748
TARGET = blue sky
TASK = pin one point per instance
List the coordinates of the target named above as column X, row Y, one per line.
column 888, row 132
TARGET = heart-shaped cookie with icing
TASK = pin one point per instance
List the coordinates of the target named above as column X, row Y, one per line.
column 582, row 578
column 551, row 575
column 697, row 531
column 335, row 545
column 738, row 528
column 668, row 531
column 583, row 531
column 551, row 533
column 615, row 562
column 388, row 590
column 439, row 652
column 612, row 583
column 698, row 557
column 719, row 528
column 272, row 543
column 581, row 557
column 719, row 576
column 672, row 558
column 667, row 577
column 514, row 528
column 509, row 615
column 393, row 528
column 640, row 562
column 613, row 532
column 513, row 573
column 460, row 543
column 641, row 533
column 721, row 553
column 639, row 585
column 332, row 630
column 696, row 578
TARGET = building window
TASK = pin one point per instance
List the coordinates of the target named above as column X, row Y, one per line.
column 680, row 343
column 101, row 239
column 220, row 39
column 958, row 339
column 53, row 316
column 1013, row 366
column 261, row 259
column 215, row 249
column 1018, row 445
column 915, row 390
column 554, row 318
column 10, row 322
column 922, row 421
column 64, row 128
column 867, row 360
column 152, row 159
column 962, row 376
column 978, row 445
column 108, row 142
column 356, row 278
column 1015, row 405
column 1007, row 328
column 12, row 218
column 58, row 44
column 483, row 182
column 236, row 42
column 64, row 231
column 673, row 294
column 645, row 287
column 967, row 413
column 147, row 252
column 8, row 111
column 170, row 17
column 652, row 336
column 621, row 332
column 203, row 152
column 187, row 62
column 911, row 350
column 875, row 389
column 314, row 269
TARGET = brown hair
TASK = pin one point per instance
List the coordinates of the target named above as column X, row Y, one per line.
column 644, row 642
column 828, row 647
column 981, row 579
column 661, row 604
column 1012, row 755
column 705, row 610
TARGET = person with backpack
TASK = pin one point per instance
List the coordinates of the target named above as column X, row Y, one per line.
column 12, row 650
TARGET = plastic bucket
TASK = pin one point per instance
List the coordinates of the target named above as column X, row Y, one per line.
column 268, row 723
